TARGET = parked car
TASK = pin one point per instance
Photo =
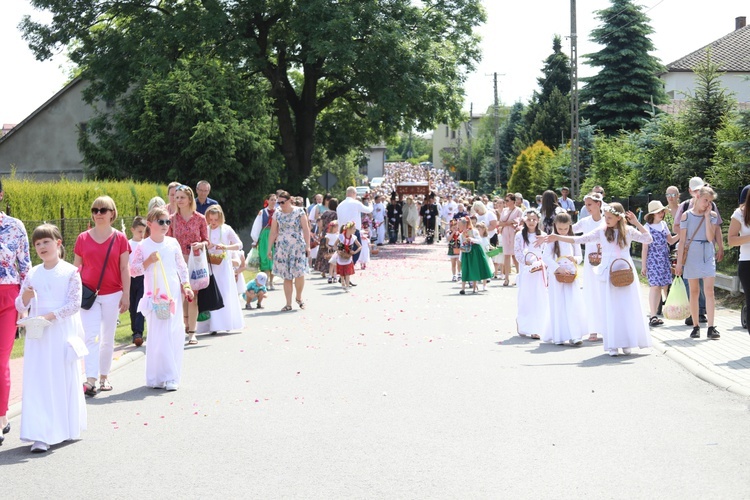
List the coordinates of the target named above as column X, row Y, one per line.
column 362, row 190
column 376, row 182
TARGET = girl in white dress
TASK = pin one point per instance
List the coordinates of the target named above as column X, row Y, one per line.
column 53, row 409
column 625, row 325
column 533, row 304
column 159, row 259
column 565, row 299
column 593, row 287
column 331, row 241
column 222, row 241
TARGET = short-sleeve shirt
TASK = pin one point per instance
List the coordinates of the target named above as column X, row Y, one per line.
column 190, row 231
column 202, row 207
column 254, row 287
column 744, row 231
column 14, row 251
column 92, row 254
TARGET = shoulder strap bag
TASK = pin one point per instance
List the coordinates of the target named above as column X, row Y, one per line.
column 88, row 296
column 688, row 242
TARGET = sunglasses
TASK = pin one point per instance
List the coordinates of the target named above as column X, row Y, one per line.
column 281, row 202
column 182, row 187
column 96, row 211
column 671, row 195
column 163, row 222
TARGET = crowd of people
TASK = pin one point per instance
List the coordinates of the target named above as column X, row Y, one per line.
column 183, row 258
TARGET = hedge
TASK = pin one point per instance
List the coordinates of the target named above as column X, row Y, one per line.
column 26, row 199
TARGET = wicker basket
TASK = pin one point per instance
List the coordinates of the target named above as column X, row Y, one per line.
column 216, row 258
column 621, row 277
column 595, row 258
column 534, row 261
column 565, row 278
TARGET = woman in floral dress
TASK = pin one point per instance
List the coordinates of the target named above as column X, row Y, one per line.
column 291, row 234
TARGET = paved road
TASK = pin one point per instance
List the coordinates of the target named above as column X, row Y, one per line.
column 400, row 389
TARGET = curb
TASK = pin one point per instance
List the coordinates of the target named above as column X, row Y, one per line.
column 699, row 370
column 122, row 361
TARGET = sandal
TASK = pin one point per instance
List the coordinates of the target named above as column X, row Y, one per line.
column 286, row 308
column 655, row 321
column 301, row 304
column 593, row 337
column 89, row 389
column 191, row 338
column 535, row 336
column 104, row 385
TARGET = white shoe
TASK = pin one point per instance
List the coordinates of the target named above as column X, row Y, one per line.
column 613, row 352
column 626, row 351
column 576, row 342
column 171, row 386
column 39, row 447
column 454, row 278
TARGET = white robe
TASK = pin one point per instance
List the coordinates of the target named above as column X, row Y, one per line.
column 593, row 287
column 166, row 337
column 565, row 299
column 229, row 317
column 533, row 303
column 626, row 325
column 53, row 407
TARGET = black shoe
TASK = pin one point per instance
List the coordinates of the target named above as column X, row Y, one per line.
column 696, row 333
column 702, row 319
column 689, row 321
column 6, row 429
column 713, row 334
column 351, row 284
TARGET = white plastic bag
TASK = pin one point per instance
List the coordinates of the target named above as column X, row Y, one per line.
column 198, row 270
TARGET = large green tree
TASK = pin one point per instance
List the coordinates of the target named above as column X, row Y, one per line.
column 621, row 95
column 358, row 69
column 708, row 108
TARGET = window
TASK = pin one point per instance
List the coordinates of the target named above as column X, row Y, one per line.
column 453, row 134
column 447, row 129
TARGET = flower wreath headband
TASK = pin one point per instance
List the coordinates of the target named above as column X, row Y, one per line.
column 534, row 211
column 614, row 212
column 594, row 196
column 347, row 226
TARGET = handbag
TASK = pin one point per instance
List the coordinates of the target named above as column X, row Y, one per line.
column 88, row 296
column 162, row 304
column 209, row 298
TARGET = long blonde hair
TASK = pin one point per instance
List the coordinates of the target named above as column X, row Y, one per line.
column 622, row 225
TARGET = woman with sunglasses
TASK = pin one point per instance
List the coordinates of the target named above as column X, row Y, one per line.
column 188, row 227
column 291, row 233
column 102, row 253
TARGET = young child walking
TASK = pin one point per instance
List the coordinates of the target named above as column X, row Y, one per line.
column 53, row 407
column 364, row 255
column 331, row 242
column 593, row 287
column 533, row 304
column 137, row 229
column 565, row 299
column 625, row 320
column 474, row 264
column 348, row 246
column 656, row 264
column 454, row 248
column 159, row 259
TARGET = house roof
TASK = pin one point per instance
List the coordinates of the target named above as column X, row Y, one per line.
column 731, row 53
column 41, row 108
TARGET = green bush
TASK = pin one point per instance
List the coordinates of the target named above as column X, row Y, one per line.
column 30, row 200
column 470, row 185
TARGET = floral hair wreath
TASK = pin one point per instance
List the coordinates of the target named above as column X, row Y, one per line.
column 614, row 212
column 594, row 196
column 347, row 225
column 530, row 211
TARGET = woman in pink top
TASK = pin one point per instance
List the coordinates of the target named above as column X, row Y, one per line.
column 14, row 264
column 191, row 231
column 508, row 223
column 100, row 322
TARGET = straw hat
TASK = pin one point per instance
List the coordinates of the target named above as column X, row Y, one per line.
column 655, row 206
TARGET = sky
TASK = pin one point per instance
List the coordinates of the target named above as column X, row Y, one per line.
column 516, row 38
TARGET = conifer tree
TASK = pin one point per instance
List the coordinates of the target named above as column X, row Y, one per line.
column 620, row 96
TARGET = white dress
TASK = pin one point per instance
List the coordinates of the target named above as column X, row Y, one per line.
column 533, row 304
column 565, row 299
column 593, row 287
column 53, row 409
column 229, row 317
column 364, row 254
column 625, row 322
column 166, row 337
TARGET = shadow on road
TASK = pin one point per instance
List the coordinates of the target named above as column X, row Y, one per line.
column 21, row 454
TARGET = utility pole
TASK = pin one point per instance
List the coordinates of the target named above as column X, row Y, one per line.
column 469, row 133
column 496, row 113
column 574, row 149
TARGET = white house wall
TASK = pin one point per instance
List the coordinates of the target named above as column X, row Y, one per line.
column 678, row 84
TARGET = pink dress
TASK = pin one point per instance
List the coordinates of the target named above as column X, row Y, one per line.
column 508, row 234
